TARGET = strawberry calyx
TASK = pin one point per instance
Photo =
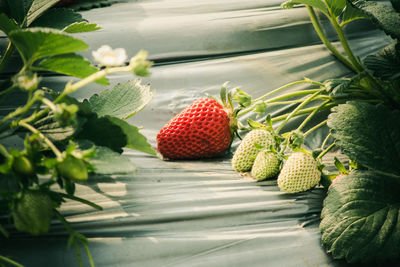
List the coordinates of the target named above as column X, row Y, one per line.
column 227, row 103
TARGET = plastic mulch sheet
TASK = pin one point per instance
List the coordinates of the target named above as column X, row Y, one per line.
column 198, row 213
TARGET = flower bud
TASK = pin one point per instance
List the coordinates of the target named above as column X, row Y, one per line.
column 26, row 81
column 140, row 64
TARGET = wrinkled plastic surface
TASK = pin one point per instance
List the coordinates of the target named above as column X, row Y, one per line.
column 198, row 213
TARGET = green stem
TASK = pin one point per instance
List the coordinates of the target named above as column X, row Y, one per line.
column 315, row 127
column 78, row 254
column 325, row 140
column 6, row 91
column 70, row 88
column 74, row 235
column 296, row 101
column 294, row 94
column 311, row 115
column 91, row 262
column 323, row 153
column 293, row 113
column 355, row 62
column 7, row 56
column 286, row 86
column 4, row 152
column 9, row 261
column 352, row 62
column 84, row 201
column 301, row 112
column 36, row 115
column 45, row 139
column 325, row 41
column 284, row 96
column 49, row 104
column 21, row 110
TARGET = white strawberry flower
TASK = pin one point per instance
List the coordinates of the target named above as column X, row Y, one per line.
column 27, row 81
column 107, row 56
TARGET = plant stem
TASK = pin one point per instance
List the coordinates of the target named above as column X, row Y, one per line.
column 311, row 115
column 21, row 110
column 9, row 261
column 325, row 41
column 294, row 94
column 296, row 101
column 275, row 99
column 70, row 88
column 351, row 62
column 87, row 202
column 355, row 62
column 323, row 153
column 91, row 262
column 286, row 86
column 6, row 91
column 45, row 139
column 49, row 104
column 325, row 140
column 302, row 112
column 4, row 152
column 293, row 113
column 7, row 56
column 315, row 127
column 74, row 235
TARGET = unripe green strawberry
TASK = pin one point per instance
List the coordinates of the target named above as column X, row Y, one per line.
column 266, row 165
column 299, row 173
column 22, row 166
column 72, row 168
column 32, row 213
column 247, row 151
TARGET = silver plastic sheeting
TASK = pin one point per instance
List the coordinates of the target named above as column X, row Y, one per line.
column 198, row 213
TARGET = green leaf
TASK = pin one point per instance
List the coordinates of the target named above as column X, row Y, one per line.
column 52, row 129
column 103, row 132
column 360, row 217
column 78, row 27
column 318, row 4
column 384, row 16
column 38, row 8
column 107, row 162
column 385, row 64
column 7, row 25
column 336, row 6
column 350, row 14
column 69, row 64
column 135, row 140
column 37, row 43
column 368, row 134
column 57, row 18
column 337, row 86
column 19, row 9
column 123, row 101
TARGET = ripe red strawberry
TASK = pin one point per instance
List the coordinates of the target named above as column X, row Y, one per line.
column 201, row 130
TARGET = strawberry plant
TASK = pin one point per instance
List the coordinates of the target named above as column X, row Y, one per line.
column 360, row 212
column 62, row 140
